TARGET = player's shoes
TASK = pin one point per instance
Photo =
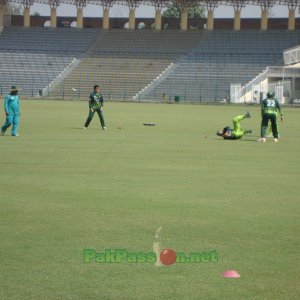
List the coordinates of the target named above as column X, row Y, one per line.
column 15, row 134
column 248, row 131
column 104, row 128
column 275, row 140
column 247, row 114
column 263, row 140
column 84, row 128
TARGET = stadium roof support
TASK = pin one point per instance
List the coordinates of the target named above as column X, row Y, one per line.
column 265, row 7
column 132, row 5
column 2, row 8
column 237, row 6
column 106, row 4
column 53, row 6
column 159, row 5
column 184, row 9
column 80, row 4
column 292, row 5
column 210, row 5
column 27, row 4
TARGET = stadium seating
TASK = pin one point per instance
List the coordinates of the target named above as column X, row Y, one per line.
column 66, row 62
column 34, row 57
column 221, row 58
column 125, row 61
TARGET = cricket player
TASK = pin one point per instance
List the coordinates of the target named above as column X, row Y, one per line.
column 95, row 105
column 12, row 112
column 269, row 109
column 269, row 130
column 237, row 132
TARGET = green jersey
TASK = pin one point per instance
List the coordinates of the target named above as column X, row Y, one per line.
column 96, row 100
column 270, row 106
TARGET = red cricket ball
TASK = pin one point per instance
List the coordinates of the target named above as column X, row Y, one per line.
column 168, row 256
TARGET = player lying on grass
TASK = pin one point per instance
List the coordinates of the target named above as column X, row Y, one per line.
column 237, row 132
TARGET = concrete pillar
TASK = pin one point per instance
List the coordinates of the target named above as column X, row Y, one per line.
column 293, row 87
column 291, row 25
column 1, row 16
column 131, row 18
column 27, row 17
column 157, row 19
column 105, row 24
column 237, row 19
column 264, row 19
column 79, row 17
column 184, row 18
column 210, row 20
column 53, row 21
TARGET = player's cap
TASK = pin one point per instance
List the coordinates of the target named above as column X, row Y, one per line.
column 13, row 88
column 270, row 94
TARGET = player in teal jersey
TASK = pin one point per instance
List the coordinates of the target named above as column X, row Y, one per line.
column 237, row 132
column 12, row 112
column 95, row 105
column 269, row 109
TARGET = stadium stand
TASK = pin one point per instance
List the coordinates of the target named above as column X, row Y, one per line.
column 123, row 61
column 221, row 58
column 34, row 57
column 66, row 62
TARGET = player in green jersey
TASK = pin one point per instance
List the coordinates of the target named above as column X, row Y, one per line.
column 95, row 105
column 237, row 132
column 269, row 109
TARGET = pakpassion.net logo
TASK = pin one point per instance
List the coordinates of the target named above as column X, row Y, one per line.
column 165, row 257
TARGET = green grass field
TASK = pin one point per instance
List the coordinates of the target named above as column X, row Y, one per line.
column 64, row 190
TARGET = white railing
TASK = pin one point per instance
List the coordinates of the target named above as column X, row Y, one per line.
column 260, row 84
column 154, row 83
column 292, row 56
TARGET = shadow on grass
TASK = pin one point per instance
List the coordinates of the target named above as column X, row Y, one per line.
column 243, row 140
column 81, row 128
column 248, row 140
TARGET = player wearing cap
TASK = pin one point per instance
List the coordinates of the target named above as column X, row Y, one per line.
column 269, row 109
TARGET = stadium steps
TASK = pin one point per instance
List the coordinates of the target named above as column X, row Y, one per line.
column 123, row 62
column 34, row 57
column 221, row 58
